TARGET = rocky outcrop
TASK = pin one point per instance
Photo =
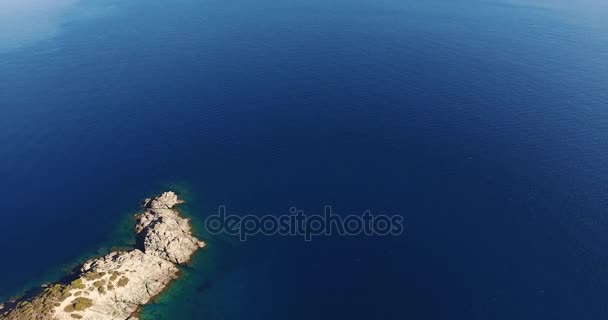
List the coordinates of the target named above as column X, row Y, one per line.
column 163, row 233
column 115, row 286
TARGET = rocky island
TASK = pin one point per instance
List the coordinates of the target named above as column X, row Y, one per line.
column 115, row 286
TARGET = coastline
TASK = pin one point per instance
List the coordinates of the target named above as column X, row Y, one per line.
column 116, row 285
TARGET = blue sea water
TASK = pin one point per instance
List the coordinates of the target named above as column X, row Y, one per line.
column 482, row 123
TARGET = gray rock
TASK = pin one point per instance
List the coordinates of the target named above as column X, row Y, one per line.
column 163, row 233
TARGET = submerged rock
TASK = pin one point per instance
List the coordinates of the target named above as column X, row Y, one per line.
column 116, row 285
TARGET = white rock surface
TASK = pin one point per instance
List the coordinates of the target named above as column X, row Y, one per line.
column 117, row 285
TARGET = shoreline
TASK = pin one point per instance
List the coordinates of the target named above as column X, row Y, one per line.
column 117, row 285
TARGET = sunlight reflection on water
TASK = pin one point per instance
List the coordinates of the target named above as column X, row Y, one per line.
column 23, row 22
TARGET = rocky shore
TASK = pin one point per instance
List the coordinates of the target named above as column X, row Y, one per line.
column 115, row 286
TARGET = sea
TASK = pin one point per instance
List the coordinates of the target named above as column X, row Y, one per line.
column 483, row 123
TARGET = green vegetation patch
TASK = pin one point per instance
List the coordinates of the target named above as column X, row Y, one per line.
column 79, row 304
column 78, row 284
column 123, row 282
column 92, row 276
column 99, row 283
column 115, row 275
column 41, row 307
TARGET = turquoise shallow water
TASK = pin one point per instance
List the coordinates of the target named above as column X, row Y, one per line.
column 482, row 123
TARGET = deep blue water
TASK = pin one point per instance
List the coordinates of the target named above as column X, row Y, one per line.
column 482, row 123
